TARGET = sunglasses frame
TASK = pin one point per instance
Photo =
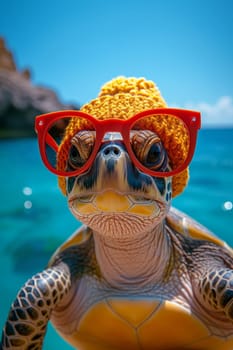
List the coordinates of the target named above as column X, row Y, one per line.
column 191, row 119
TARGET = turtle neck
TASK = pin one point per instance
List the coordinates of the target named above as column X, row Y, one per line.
column 134, row 262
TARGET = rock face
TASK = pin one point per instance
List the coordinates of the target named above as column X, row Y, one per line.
column 20, row 101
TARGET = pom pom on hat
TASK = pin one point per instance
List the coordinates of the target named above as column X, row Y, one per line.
column 122, row 98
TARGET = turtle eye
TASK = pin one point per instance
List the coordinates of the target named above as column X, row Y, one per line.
column 75, row 159
column 154, row 154
column 149, row 149
column 81, row 148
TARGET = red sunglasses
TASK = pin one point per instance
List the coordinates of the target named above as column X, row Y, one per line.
column 57, row 129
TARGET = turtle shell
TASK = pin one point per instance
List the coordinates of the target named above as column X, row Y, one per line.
column 184, row 224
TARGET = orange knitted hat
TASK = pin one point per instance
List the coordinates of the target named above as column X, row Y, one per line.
column 124, row 97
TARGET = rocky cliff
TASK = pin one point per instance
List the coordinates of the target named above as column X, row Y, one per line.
column 20, row 100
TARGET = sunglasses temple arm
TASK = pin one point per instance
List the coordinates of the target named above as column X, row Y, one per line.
column 51, row 142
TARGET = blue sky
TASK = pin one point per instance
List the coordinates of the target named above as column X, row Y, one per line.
column 185, row 46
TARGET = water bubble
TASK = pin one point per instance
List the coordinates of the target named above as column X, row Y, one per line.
column 228, row 205
column 27, row 204
column 27, row 191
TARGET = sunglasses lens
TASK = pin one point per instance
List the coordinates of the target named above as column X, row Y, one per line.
column 160, row 142
column 69, row 142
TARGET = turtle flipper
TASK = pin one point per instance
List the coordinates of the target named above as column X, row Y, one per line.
column 216, row 289
column 29, row 314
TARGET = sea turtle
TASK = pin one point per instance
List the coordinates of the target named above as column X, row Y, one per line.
column 139, row 274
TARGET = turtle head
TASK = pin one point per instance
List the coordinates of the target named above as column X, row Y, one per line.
column 113, row 196
column 113, row 192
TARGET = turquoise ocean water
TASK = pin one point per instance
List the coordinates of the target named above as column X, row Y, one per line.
column 34, row 217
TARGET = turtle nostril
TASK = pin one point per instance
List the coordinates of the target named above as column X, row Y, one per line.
column 106, row 151
column 116, row 151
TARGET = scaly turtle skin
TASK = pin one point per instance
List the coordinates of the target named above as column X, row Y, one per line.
column 138, row 275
